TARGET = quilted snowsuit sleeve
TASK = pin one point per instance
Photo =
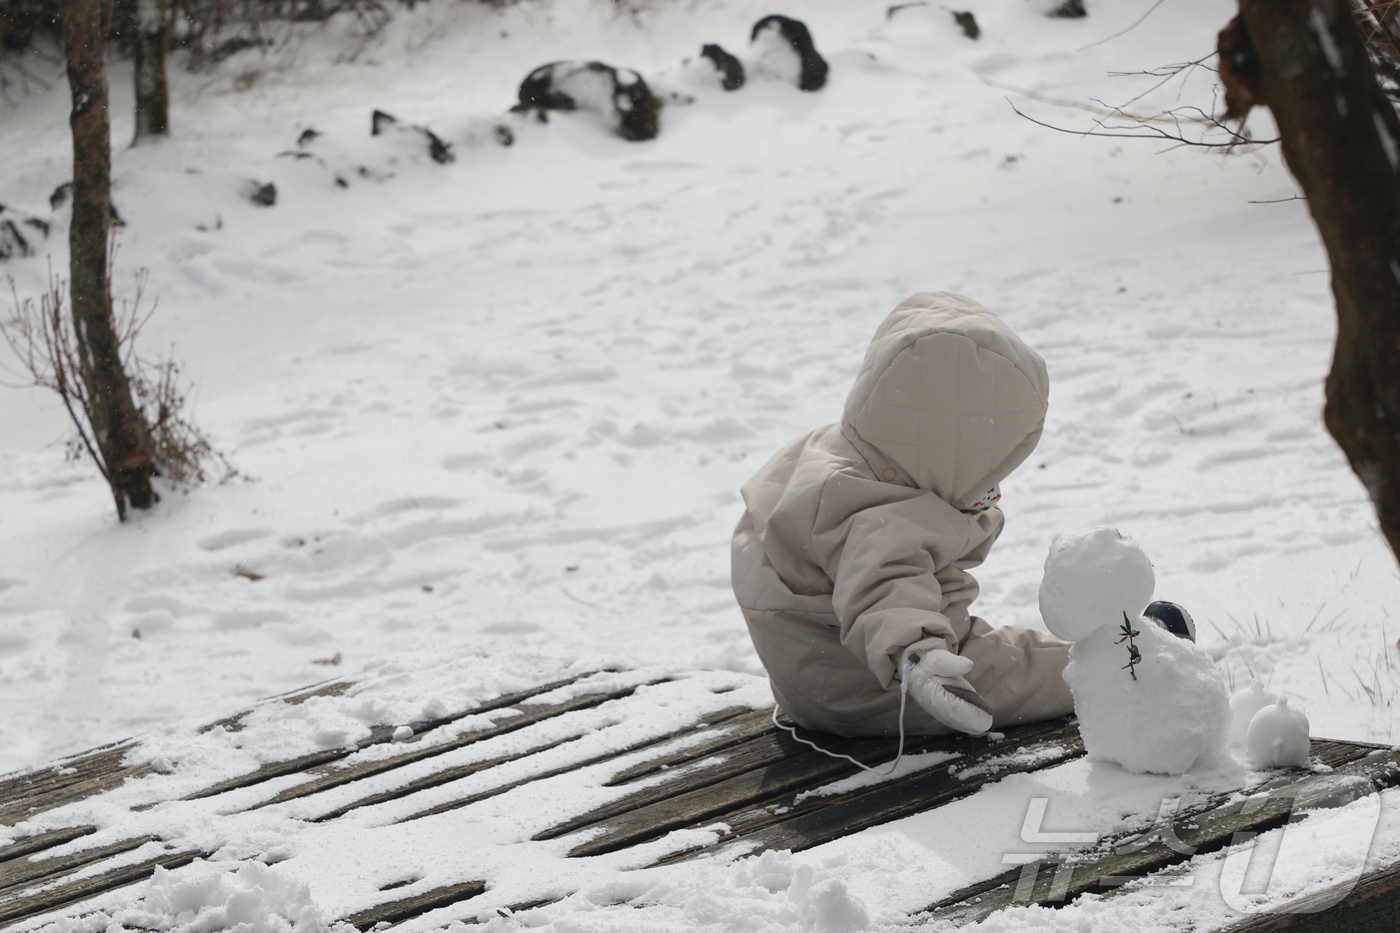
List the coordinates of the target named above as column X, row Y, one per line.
column 899, row 567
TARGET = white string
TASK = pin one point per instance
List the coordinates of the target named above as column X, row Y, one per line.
column 903, row 695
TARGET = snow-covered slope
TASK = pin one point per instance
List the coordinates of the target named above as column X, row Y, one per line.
column 508, row 402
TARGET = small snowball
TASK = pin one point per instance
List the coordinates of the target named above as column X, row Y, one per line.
column 403, row 733
column 1092, row 577
column 162, row 766
column 1243, row 705
column 1174, row 715
column 1278, row 737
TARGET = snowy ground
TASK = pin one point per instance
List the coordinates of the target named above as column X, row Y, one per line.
column 506, row 404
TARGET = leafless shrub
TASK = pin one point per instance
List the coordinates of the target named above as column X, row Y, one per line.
column 40, row 334
column 183, row 453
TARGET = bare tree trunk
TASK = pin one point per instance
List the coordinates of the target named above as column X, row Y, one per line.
column 152, row 94
column 1304, row 59
column 117, row 427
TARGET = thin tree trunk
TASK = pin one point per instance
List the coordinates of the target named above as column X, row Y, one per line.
column 117, row 427
column 152, row 94
column 1305, row 60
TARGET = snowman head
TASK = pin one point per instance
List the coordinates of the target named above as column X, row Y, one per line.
column 1092, row 577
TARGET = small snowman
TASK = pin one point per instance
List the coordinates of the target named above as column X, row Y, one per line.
column 1146, row 696
column 1278, row 737
column 1243, row 705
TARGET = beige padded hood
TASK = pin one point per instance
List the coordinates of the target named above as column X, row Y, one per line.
column 950, row 394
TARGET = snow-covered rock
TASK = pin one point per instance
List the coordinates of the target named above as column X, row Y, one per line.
column 619, row 96
column 1278, row 737
column 1243, row 705
column 730, row 69
column 1092, row 577
column 784, row 49
column 418, row 137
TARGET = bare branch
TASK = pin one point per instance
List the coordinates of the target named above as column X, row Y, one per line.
column 1122, row 32
column 1237, row 138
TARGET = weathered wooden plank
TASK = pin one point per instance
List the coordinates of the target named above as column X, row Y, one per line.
column 750, row 725
column 760, row 793
column 788, row 824
column 378, row 735
column 514, row 909
column 757, row 752
column 1372, row 905
column 1350, row 743
column 397, row 911
column 19, row 874
column 502, row 788
column 1331, row 753
column 22, row 907
column 1047, row 744
column 773, row 746
column 709, row 803
column 529, row 715
column 28, row 845
column 783, row 823
column 71, row 770
column 447, row 775
column 29, row 793
column 327, row 688
column 1204, row 830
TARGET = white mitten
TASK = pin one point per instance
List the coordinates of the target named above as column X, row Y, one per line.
column 936, row 682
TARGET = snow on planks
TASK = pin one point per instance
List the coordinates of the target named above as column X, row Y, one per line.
column 725, row 779
column 1351, row 770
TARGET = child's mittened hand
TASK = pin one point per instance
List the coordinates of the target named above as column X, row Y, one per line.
column 936, row 682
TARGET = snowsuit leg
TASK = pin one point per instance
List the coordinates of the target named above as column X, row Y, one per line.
column 822, row 686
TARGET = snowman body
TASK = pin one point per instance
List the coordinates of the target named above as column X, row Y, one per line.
column 1149, row 701
column 1173, row 714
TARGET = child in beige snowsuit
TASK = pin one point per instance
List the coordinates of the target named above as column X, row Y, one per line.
column 851, row 560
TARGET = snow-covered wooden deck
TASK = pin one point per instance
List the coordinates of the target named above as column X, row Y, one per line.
column 727, row 784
